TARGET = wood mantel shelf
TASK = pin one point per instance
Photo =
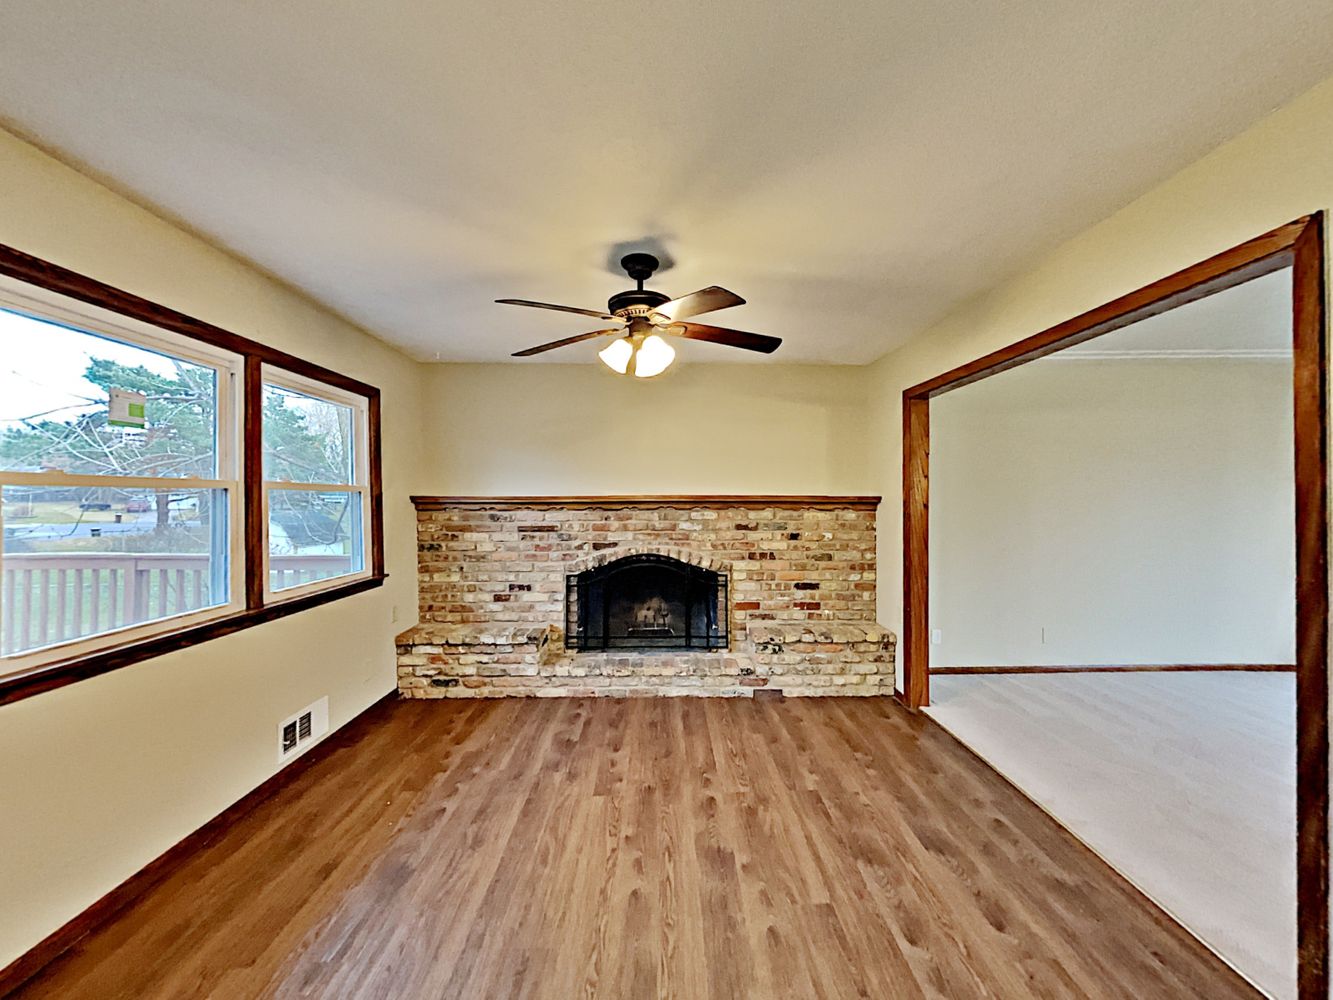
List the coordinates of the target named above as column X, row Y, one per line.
column 748, row 501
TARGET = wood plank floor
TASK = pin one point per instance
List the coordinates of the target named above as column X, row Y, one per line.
column 823, row 848
column 1185, row 782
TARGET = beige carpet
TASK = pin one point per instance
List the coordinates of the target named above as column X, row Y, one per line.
column 1184, row 782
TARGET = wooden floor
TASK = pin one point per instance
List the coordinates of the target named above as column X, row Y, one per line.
column 643, row 849
column 1185, row 782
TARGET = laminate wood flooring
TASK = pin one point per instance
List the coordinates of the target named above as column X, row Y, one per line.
column 683, row 848
column 1185, row 782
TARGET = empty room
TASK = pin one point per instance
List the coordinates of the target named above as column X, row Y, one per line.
column 703, row 502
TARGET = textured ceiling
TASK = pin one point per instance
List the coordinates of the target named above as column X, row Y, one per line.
column 854, row 170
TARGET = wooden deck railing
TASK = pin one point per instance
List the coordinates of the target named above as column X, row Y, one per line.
column 53, row 597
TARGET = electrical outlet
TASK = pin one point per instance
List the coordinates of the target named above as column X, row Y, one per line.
column 393, row 616
column 936, row 636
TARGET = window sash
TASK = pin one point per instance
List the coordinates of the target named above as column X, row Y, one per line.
column 360, row 445
column 227, row 367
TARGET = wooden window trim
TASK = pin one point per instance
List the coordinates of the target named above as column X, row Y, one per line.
column 36, row 679
column 1300, row 246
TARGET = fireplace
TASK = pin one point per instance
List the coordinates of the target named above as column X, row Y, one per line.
column 646, row 602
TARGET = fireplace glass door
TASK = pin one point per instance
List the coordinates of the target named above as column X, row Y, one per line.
column 646, row 602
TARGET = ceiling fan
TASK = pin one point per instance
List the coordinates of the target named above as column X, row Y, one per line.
column 640, row 348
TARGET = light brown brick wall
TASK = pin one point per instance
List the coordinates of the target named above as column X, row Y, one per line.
column 492, row 582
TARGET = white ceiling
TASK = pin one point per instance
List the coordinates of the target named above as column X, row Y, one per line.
column 852, row 169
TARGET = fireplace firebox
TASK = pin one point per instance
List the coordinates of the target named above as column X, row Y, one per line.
column 646, row 602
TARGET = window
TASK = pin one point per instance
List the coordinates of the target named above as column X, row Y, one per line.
column 133, row 442
column 118, row 479
column 315, row 447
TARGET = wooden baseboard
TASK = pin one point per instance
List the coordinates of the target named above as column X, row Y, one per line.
column 61, row 940
column 1117, row 668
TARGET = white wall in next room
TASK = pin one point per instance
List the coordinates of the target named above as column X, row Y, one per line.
column 1114, row 511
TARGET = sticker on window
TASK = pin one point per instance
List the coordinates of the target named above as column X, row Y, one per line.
column 127, row 408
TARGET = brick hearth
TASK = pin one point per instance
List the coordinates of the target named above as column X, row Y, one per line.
column 492, row 589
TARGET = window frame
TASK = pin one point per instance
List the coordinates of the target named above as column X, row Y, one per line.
column 359, row 405
column 48, row 291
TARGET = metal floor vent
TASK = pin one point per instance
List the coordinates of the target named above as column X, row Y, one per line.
column 302, row 729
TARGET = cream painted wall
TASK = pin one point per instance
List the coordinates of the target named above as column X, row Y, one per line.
column 1115, row 511
column 100, row 777
column 1278, row 170
column 542, row 429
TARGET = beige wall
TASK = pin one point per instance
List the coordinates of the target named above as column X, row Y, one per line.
column 1279, row 170
column 1114, row 511
column 98, row 778
column 545, row 429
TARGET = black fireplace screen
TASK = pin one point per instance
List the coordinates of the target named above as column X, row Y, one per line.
column 646, row 602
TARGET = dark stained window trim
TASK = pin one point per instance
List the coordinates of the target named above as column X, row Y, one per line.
column 43, row 274
column 49, row 676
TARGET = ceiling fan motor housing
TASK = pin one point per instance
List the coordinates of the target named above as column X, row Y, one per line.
column 637, row 301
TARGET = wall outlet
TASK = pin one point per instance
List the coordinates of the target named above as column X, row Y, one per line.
column 393, row 615
column 936, row 636
column 298, row 732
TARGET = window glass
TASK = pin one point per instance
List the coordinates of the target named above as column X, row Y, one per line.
column 79, row 561
column 312, row 536
column 306, row 439
column 60, row 389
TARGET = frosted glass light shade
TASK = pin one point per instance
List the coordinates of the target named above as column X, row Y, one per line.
column 654, row 357
column 641, row 358
column 616, row 355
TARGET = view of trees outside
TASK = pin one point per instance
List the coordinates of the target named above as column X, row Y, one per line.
column 306, row 440
column 80, row 560
column 62, row 377
column 308, row 522
column 54, row 385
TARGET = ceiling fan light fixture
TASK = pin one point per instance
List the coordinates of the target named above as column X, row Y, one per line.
column 638, row 355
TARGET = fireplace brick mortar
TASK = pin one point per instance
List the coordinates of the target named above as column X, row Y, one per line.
column 492, row 590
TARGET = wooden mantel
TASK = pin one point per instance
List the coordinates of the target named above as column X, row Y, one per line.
column 748, row 501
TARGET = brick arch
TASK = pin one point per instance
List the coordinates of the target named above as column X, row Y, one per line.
column 604, row 556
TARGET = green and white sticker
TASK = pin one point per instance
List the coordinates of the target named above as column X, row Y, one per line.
column 127, row 408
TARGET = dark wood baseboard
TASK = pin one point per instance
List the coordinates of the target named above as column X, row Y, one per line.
column 61, row 940
column 1119, row 668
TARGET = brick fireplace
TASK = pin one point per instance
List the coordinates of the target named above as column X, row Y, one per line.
column 629, row 596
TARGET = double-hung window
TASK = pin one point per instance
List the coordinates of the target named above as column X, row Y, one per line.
column 119, row 474
column 316, row 450
column 164, row 481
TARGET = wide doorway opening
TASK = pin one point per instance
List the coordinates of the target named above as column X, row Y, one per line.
column 1117, row 611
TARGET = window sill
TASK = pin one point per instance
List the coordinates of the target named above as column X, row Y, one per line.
column 49, row 676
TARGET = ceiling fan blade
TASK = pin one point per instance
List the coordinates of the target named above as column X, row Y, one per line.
column 704, row 300
column 563, row 309
column 721, row 335
column 541, row 349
